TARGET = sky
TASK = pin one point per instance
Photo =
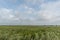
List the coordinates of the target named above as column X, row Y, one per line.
column 29, row 12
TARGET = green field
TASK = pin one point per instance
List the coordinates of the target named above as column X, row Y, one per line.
column 29, row 33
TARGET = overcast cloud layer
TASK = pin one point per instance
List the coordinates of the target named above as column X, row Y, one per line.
column 29, row 12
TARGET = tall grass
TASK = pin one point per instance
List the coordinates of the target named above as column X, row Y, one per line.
column 29, row 33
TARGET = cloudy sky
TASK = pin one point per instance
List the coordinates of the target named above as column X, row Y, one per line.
column 29, row 12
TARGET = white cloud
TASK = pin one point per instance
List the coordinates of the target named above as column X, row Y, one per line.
column 25, row 9
column 26, row 13
column 7, row 14
column 50, row 11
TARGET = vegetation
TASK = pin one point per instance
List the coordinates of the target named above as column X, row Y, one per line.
column 29, row 33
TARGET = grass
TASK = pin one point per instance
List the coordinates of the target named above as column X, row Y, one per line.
column 29, row 33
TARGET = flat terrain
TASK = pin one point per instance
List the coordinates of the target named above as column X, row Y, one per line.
column 29, row 32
